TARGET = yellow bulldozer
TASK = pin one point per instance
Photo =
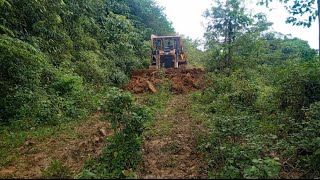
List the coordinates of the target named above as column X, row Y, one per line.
column 168, row 52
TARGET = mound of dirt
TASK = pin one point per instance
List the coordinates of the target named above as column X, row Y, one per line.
column 182, row 80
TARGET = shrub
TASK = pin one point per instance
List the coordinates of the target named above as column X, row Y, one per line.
column 56, row 170
column 31, row 88
column 123, row 151
column 307, row 140
column 300, row 86
column 88, row 65
column 21, row 69
column 118, row 78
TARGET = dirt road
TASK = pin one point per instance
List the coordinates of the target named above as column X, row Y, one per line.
column 169, row 148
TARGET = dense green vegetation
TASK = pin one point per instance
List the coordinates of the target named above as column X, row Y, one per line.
column 57, row 55
column 262, row 99
column 60, row 61
column 63, row 60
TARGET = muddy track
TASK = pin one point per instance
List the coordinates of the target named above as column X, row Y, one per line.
column 169, row 148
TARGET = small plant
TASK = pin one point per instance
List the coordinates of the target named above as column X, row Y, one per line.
column 266, row 168
column 56, row 170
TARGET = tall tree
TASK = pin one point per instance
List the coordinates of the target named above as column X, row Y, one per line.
column 150, row 17
column 227, row 20
column 306, row 9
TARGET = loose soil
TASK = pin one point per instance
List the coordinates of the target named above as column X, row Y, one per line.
column 182, row 80
column 169, row 147
column 35, row 155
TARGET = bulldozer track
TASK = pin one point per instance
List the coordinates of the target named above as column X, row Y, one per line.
column 173, row 155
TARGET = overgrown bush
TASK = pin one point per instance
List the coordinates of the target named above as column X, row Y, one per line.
column 307, row 141
column 262, row 120
column 22, row 67
column 33, row 89
column 122, row 154
column 300, row 86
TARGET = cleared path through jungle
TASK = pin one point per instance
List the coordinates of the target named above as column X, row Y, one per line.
column 169, row 146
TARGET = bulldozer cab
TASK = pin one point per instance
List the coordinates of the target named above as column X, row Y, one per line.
column 167, row 52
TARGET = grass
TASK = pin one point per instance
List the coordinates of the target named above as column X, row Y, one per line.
column 199, row 117
column 164, row 128
column 11, row 138
column 157, row 103
column 56, row 170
